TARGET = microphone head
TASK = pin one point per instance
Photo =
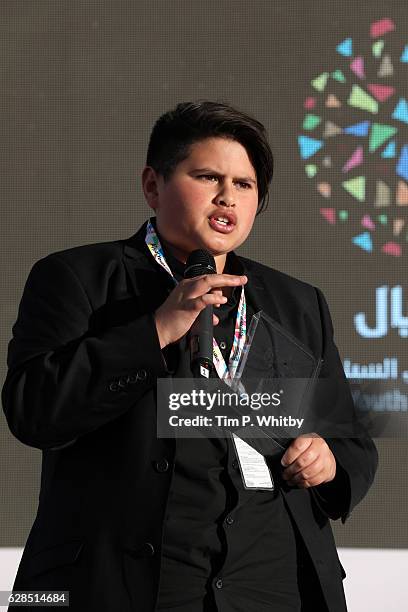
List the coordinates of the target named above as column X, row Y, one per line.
column 199, row 262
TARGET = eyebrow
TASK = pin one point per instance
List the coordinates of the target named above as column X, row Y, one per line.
column 242, row 178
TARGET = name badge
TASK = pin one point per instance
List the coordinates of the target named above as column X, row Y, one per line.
column 255, row 472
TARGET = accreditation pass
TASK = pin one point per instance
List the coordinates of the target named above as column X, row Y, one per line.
column 254, row 469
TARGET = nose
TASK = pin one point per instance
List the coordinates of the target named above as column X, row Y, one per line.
column 225, row 197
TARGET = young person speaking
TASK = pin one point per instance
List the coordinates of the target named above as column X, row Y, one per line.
column 130, row 521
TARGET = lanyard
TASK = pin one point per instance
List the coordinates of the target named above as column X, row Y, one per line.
column 225, row 373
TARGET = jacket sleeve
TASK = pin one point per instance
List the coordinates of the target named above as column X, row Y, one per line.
column 64, row 381
column 356, row 457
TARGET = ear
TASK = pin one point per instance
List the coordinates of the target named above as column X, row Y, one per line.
column 150, row 187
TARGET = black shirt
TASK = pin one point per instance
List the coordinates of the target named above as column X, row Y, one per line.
column 224, row 547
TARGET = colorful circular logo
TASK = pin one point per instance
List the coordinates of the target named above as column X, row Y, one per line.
column 354, row 140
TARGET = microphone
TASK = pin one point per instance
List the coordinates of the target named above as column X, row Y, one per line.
column 201, row 333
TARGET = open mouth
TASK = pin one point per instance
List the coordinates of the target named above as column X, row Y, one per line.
column 222, row 223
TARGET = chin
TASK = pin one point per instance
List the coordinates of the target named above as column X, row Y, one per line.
column 216, row 247
column 216, row 244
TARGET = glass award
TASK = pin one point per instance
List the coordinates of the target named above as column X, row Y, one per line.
column 274, row 359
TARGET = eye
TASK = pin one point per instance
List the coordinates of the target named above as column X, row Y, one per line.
column 208, row 176
column 247, row 185
column 214, row 176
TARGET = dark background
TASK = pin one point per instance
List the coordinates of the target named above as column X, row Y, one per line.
column 82, row 83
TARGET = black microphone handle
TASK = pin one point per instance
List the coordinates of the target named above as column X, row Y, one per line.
column 201, row 333
column 201, row 341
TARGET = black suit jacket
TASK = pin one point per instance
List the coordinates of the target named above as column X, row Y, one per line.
column 83, row 364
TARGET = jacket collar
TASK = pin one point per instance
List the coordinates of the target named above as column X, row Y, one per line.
column 135, row 249
column 136, row 258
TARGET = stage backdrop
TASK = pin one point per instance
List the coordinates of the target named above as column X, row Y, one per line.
column 82, row 83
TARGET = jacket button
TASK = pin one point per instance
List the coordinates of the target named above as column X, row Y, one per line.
column 218, row 583
column 223, row 345
column 162, row 465
column 142, row 375
column 147, row 549
column 229, row 520
column 235, row 464
column 113, row 386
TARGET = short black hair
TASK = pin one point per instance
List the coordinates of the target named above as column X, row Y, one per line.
column 190, row 122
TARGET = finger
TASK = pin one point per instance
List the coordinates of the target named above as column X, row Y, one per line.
column 296, row 448
column 215, row 320
column 317, row 479
column 309, row 471
column 216, row 292
column 305, row 460
column 219, row 294
column 208, row 299
column 203, row 284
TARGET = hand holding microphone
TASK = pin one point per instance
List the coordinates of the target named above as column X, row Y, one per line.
column 176, row 315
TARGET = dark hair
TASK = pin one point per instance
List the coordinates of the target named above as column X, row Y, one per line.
column 190, row 122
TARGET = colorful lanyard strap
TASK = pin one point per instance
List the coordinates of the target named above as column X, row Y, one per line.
column 225, row 373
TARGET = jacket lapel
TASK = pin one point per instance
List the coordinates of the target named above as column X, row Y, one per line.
column 260, row 296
